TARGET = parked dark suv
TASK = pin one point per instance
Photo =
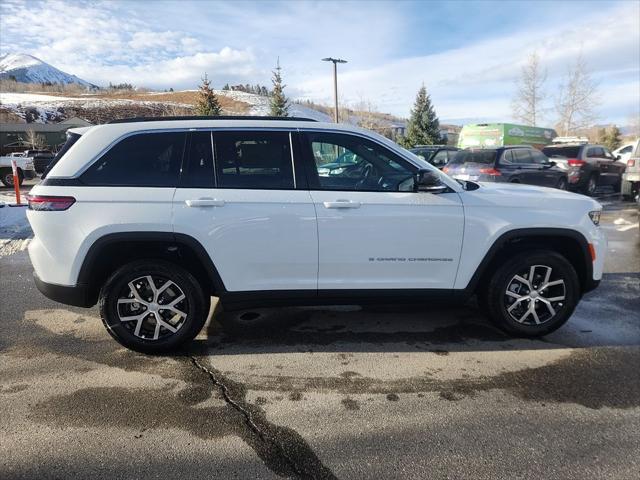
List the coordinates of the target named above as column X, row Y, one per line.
column 515, row 164
column 588, row 166
column 436, row 155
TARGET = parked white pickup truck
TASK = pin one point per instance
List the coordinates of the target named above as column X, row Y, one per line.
column 25, row 169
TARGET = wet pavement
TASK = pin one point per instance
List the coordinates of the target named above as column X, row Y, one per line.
column 388, row 392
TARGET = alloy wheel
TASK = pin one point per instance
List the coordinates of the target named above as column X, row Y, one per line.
column 535, row 296
column 592, row 185
column 152, row 307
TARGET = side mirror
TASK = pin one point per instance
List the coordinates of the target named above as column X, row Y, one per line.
column 428, row 181
column 618, row 157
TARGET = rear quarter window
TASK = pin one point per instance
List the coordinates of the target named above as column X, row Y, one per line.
column 142, row 160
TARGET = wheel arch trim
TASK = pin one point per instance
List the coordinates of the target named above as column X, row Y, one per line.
column 586, row 283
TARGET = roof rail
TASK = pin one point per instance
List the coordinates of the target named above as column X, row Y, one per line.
column 220, row 117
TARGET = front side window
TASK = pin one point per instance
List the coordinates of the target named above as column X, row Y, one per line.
column 440, row 159
column 346, row 162
column 143, row 160
column 254, row 160
column 538, row 157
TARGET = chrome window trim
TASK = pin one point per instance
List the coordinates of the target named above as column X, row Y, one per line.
column 293, row 163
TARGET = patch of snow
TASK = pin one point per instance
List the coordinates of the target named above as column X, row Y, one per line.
column 29, row 69
column 31, row 98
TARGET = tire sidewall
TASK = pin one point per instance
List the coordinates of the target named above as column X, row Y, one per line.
column 517, row 264
column 197, row 302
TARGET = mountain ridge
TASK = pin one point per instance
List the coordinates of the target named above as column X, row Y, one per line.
column 29, row 69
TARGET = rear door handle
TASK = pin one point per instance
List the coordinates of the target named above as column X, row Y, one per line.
column 204, row 202
column 342, row 204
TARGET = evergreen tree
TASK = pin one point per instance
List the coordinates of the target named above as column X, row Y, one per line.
column 423, row 127
column 207, row 103
column 613, row 139
column 279, row 103
column 226, row 87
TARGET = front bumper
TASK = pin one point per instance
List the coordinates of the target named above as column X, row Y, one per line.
column 77, row 295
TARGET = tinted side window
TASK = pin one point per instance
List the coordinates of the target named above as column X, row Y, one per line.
column 258, row 160
column 521, row 156
column 198, row 169
column 538, row 157
column 346, row 162
column 507, row 156
column 440, row 159
column 144, row 160
column 595, row 152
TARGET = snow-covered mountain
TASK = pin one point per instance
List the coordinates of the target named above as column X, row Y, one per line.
column 29, row 69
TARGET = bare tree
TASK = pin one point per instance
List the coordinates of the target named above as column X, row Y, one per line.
column 528, row 102
column 577, row 99
column 36, row 141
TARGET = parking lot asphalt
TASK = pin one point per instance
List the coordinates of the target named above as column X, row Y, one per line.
column 385, row 392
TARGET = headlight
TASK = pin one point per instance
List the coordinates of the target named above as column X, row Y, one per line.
column 595, row 217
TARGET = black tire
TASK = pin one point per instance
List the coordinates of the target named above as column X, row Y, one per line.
column 592, row 185
column 496, row 301
column 6, row 177
column 195, row 305
column 562, row 184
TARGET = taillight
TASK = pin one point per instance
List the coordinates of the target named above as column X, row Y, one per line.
column 49, row 203
column 446, row 169
column 631, row 162
column 576, row 162
column 491, row 171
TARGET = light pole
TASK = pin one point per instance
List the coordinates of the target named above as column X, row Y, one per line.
column 335, row 81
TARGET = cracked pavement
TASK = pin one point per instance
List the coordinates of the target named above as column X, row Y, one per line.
column 345, row 392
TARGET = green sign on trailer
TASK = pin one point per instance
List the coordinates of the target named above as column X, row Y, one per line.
column 489, row 135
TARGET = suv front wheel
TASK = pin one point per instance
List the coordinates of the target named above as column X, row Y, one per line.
column 153, row 306
column 532, row 294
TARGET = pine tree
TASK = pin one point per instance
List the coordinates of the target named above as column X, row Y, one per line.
column 610, row 137
column 423, row 127
column 279, row 103
column 207, row 103
column 226, row 87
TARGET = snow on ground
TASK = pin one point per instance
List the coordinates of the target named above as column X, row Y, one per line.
column 260, row 105
column 14, row 227
column 32, row 98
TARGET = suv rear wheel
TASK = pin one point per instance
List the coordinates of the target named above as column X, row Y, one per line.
column 592, row 185
column 153, row 306
column 532, row 294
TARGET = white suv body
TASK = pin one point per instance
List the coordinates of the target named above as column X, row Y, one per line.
column 241, row 205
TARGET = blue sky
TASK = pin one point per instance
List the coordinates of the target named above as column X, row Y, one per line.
column 468, row 53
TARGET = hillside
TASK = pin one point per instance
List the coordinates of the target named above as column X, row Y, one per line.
column 29, row 69
column 102, row 106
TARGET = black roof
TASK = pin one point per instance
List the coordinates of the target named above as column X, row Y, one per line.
column 220, row 117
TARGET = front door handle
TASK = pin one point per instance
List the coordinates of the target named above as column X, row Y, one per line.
column 204, row 202
column 342, row 204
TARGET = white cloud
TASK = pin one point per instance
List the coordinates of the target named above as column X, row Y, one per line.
column 477, row 80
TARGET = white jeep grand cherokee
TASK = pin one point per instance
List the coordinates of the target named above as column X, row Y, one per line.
column 151, row 217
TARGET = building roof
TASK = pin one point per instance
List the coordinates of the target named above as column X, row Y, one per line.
column 44, row 127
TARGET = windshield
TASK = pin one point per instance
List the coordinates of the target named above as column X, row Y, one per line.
column 474, row 156
column 71, row 139
column 568, row 151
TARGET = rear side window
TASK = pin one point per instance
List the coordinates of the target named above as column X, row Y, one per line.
column 595, row 152
column 487, row 157
column 198, row 171
column 72, row 138
column 538, row 157
column 144, row 160
column 521, row 156
column 568, row 152
column 254, row 160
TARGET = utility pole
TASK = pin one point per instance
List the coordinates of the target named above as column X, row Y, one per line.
column 335, row 82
